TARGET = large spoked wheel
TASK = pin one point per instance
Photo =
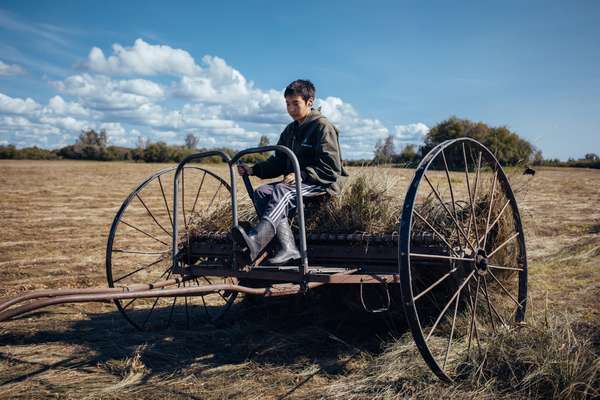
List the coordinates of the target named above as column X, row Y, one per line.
column 463, row 266
column 139, row 247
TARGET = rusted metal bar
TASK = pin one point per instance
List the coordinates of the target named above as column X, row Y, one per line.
column 37, row 294
column 84, row 295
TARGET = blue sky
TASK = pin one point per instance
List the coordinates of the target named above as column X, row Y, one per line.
column 217, row 69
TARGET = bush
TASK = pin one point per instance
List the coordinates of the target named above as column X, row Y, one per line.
column 8, row 152
column 509, row 148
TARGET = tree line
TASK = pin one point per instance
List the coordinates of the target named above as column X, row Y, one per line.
column 508, row 147
column 92, row 145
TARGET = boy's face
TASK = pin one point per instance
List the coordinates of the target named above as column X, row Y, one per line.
column 297, row 107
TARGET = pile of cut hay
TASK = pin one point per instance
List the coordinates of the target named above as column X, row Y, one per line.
column 370, row 201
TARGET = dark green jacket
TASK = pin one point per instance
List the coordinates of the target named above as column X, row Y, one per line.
column 316, row 144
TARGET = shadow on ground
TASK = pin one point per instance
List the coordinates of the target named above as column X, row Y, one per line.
column 319, row 329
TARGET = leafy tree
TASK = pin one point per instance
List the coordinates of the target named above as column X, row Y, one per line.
column 92, row 138
column 7, row 152
column 191, row 141
column 407, row 155
column 591, row 157
column 384, row 150
column 264, row 141
column 508, row 147
column 157, row 152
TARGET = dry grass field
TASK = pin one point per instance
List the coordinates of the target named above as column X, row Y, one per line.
column 55, row 218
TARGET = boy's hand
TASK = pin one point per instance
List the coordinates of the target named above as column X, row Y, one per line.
column 290, row 178
column 244, row 169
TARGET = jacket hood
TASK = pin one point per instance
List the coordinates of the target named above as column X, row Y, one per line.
column 312, row 116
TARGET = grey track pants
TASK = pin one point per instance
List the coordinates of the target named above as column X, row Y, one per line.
column 275, row 201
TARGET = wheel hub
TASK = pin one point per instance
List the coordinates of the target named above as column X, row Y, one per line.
column 481, row 262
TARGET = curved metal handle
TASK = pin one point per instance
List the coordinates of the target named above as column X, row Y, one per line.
column 183, row 162
column 299, row 202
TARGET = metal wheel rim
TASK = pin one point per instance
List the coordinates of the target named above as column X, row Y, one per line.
column 211, row 317
column 404, row 255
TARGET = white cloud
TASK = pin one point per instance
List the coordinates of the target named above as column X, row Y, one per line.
column 10, row 69
column 64, row 123
column 58, row 105
column 142, row 59
column 222, row 107
column 113, row 129
column 358, row 135
column 413, row 133
column 12, row 105
column 104, row 94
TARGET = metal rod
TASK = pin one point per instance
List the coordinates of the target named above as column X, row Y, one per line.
column 448, row 305
column 144, row 232
column 452, row 197
column 436, row 232
column 300, row 203
column 448, row 211
column 178, row 171
column 435, row 284
column 162, row 190
column 151, row 215
column 83, row 297
column 433, row 256
column 503, row 244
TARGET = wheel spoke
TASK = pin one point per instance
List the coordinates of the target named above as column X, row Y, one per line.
column 129, row 303
column 197, row 195
column 172, row 309
column 487, row 220
column 151, row 253
column 495, row 220
column 187, row 312
column 503, row 244
column 215, row 195
column 519, row 305
column 489, row 304
column 451, row 333
column 138, row 270
column 473, row 200
column 492, row 304
column 155, row 302
column 448, row 305
column 436, row 232
column 162, row 190
column 437, row 195
column 468, row 185
column 424, row 292
column 145, row 233
column 436, row 257
column 507, row 268
column 452, row 197
column 152, row 215
column 473, row 312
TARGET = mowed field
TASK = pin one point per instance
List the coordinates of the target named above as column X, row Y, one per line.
column 55, row 218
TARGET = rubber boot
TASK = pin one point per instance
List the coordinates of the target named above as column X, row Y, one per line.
column 287, row 245
column 256, row 239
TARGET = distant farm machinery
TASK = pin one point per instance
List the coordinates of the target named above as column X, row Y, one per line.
column 458, row 254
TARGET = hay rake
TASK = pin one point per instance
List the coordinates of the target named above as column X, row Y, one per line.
column 458, row 255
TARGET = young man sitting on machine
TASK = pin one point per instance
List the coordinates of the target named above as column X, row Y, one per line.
column 315, row 142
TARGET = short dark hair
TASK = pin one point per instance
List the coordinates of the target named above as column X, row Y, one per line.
column 300, row 87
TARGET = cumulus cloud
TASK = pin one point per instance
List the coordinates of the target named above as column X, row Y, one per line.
column 10, row 69
column 11, row 105
column 358, row 135
column 103, row 93
column 58, row 105
column 411, row 133
column 120, row 93
column 141, row 59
